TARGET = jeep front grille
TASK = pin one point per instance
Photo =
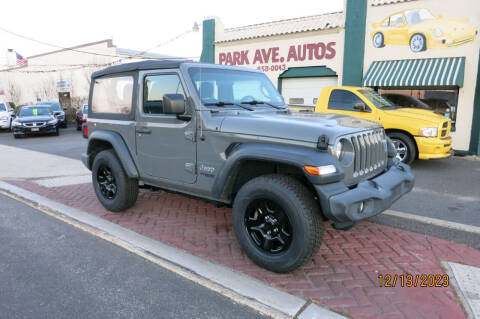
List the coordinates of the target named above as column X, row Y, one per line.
column 370, row 157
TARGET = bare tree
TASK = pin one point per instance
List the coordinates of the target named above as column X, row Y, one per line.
column 15, row 92
column 49, row 89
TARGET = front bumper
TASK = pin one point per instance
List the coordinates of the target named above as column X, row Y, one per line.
column 433, row 148
column 346, row 206
column 5, row 124
column 455, row 41
column 21, row 131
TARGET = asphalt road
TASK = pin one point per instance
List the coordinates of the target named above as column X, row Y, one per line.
column 49, row 269
column 69, row 143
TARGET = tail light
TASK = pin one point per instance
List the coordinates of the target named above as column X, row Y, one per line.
column 85, row 128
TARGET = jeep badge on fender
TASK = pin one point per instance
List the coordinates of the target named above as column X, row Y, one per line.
column 224, row 134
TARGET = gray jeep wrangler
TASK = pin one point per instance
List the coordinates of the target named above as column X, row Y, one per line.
column 224, row 134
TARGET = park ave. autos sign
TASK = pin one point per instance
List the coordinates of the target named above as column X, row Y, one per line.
column 276, row 58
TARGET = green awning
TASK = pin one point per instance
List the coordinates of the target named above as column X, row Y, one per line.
column 445, row 72
column 309, row 71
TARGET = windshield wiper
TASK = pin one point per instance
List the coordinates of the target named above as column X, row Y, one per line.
column 222, row 103
column 255, row 102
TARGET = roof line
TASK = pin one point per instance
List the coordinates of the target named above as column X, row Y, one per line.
column 281, row 21
column 108, row 41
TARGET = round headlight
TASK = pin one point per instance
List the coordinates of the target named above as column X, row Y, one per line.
column 336, row 150
column 343, row 151
column 348, row 153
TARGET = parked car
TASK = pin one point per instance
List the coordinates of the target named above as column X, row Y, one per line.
column 5, row 116
column 416, row 133
column 224, row 134
column 406, row 101
column 421, row 30
column 58, row 112
column 35, row 120
column 81, row 116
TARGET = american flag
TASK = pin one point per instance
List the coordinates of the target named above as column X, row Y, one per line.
column 21, row 61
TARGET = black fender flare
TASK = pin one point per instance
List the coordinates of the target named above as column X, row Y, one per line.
column 119, row 147
column 293, row 155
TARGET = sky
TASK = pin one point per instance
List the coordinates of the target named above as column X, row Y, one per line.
column 137, row 25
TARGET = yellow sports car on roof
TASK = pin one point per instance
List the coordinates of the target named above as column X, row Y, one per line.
column 421, row 30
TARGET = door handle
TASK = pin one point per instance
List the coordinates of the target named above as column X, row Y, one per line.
column 143, row 130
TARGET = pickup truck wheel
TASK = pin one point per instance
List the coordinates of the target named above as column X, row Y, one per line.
column 114, row 189
column 404, row 146
column 277, row 222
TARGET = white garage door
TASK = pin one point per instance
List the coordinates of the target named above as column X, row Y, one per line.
column 305, row 91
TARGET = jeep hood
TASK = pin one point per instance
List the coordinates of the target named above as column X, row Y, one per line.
column 417, row 114
column 299, row 126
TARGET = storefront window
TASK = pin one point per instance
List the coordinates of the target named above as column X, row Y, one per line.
column 443, row 102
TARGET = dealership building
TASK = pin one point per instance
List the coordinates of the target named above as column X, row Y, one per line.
column 428, row 49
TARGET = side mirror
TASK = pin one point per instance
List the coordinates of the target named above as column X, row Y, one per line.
column 360, row 106
column 13, row 116
column 173, row 104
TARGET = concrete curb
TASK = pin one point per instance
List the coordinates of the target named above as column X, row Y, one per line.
column 435, row 222
column 239, row 287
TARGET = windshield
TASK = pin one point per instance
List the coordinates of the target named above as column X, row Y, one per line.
column 3, row 107
column 54, row 105
column 417, row 16
column 34, row 111
column 222, row 86
column 377, row 100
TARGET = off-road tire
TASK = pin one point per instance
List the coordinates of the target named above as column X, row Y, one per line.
column 408, row 142
column 302, row 210
column 127, row 188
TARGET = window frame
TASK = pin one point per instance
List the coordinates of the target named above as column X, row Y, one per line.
column 162, row 115
column 367, row 109
column 115, row 116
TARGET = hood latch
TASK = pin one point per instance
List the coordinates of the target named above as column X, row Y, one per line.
column 322, row 143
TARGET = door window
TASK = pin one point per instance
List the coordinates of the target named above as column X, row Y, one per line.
column 343, row 100
column 155, row 87
column 396, row 19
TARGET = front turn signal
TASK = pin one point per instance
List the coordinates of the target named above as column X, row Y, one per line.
column 320, row 170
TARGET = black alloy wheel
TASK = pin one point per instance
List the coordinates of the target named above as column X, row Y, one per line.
column 106, row 181
column 278, row 222
column 268, row 226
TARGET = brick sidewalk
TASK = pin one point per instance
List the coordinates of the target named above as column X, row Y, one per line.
column 343, row 275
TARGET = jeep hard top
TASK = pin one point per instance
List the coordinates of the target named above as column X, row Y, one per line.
column 224, row 134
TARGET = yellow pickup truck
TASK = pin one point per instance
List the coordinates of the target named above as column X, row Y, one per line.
column 416, row 133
